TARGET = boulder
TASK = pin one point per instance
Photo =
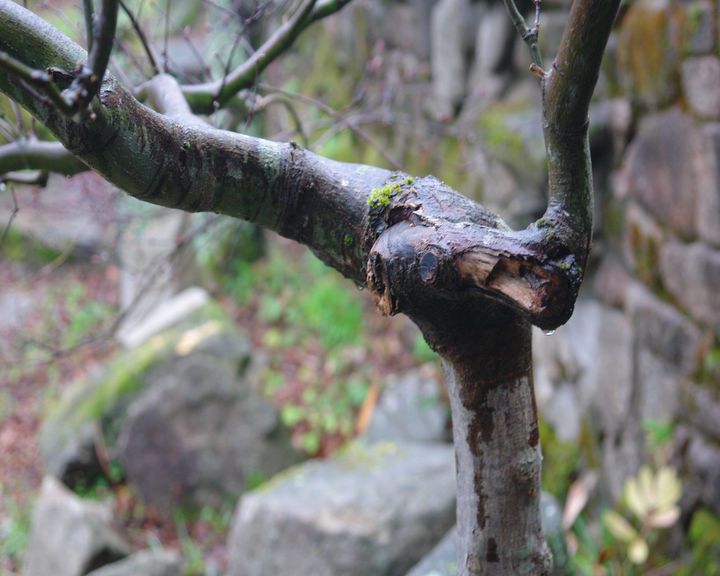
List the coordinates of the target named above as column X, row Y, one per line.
column 70, row 536
column 156, row 262
column 650, row 45
column 144, row 563
column 183, row 414
column 691, row 273
column 660, row 170
column 708, row 205
column 701, row 84
column 76, row 215
column 663, row 330
column 701, row 406
column 410, row 409
column 450, row 19
column 372, row 510
column 200, row 431
column 441, row 561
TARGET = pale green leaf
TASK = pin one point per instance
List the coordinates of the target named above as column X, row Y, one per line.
column 619, row 527
column 669, row 488
column 638, row 551
column 635, row 499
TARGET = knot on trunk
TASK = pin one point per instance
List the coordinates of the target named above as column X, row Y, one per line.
column 425, row 249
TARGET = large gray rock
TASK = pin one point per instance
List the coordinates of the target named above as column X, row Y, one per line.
column 70, row 452
column 373, row 510
column 144, row 563
column 643, row 237
column 701, row 83
column 154, row 264
column 200, row 429
column 701, row 406
column 76, row 215
column 586, row 370
column 659, row 170
column 183, row 414
column 70, row 536
column 664, row 331
column 691, row 272
column 700, row 460
column 441, row 560
column 410, row 410
column 566, row 369
column 708, row 215
column 450, row 21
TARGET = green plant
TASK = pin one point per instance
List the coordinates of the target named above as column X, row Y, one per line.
column 194, row 560
column 630, row 536
column 705, row 540
column 14, row 531
column 325, row 411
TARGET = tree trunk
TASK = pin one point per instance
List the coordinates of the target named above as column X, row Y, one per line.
column 486, row 352
column 498, row 458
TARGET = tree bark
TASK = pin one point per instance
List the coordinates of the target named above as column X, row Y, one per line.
column 498, row 458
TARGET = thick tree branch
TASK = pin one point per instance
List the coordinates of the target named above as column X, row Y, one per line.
column 404, row 234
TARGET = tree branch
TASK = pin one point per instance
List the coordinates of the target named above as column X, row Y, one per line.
column 86, row 84
column 38, row 155
column 407, row 239
column 206, row 98
column 141, row 35
column 529, row 35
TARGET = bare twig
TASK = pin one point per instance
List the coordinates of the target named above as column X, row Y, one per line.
column 529, row 35
column 13, row 213
column 87, row 82
column 266, row 101
column 141, row 35
column 340, row 117
column 213, row 95
column 38, row 80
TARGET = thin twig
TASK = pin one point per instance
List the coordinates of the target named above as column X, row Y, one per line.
column 286, row 102
column 207, row 97
column 87, row 82
column 266, row 54
column 529, row 35
column 37, row 79
column 141, row 35
column 338, row 116
column 13, row 213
